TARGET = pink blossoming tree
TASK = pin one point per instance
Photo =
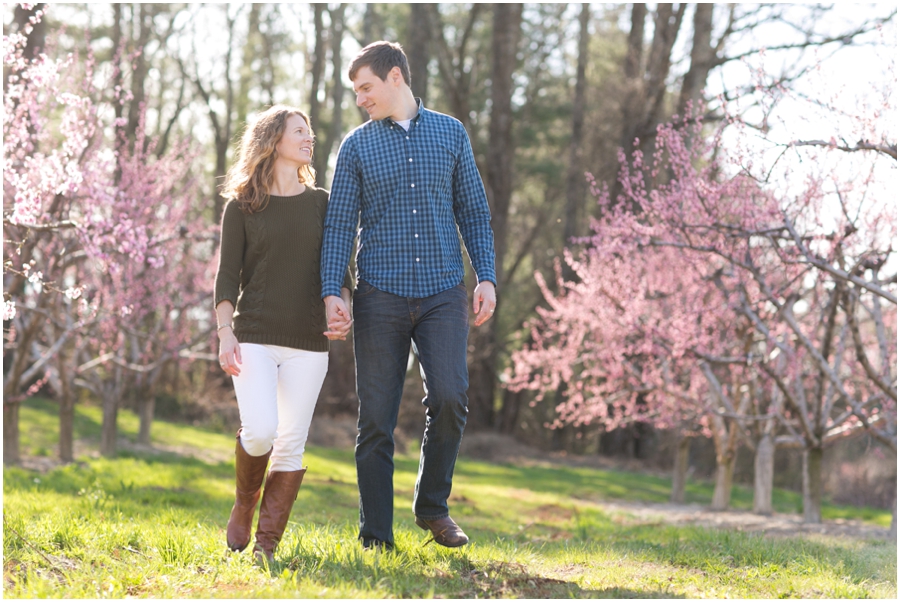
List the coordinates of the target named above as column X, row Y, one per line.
column 105, row 257
column 706, row 293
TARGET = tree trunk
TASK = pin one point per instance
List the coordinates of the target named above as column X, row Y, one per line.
column 894, row 518
column 370, row 28
column 645, row 84
column 680, row 470
column 507, row 419
column 111, row 393
column 138, row 71
column 118, row 49
column 634, row 88
column 812, row 485
column 335, row 130
column 419, row 50
column 109, row 428
column 249, row 56
column 452, row 62
column 725, row 444
column 11, row 454
column 66, row 415
column 221, row 131
column 317, row 72
column 763, row 475
column 703, row 57
column 507, row 30
column 575, row 183
column 724, row 475
column 38, row 34
column 12, row 385
column 666, row 24
column 146, row 409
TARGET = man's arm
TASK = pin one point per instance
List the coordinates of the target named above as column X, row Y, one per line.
column 341, row 219
column 473, row 216
column 472, row 213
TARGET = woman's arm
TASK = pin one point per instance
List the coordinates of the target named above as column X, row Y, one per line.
column 228, row 278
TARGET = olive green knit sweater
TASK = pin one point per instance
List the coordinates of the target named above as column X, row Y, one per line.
column 269, row 270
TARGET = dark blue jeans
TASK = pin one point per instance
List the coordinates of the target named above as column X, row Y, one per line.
column 384, row 326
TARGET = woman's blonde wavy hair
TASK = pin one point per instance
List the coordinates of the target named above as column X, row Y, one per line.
column 248, row 180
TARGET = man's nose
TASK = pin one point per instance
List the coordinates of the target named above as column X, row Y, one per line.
column 359, row 99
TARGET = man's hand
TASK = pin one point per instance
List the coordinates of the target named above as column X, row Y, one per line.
column 484, row 302
column 338, row 315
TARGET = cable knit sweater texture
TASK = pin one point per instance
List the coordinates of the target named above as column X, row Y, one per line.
column 269, row 268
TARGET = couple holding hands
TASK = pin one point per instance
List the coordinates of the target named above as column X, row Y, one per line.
column 407, row 181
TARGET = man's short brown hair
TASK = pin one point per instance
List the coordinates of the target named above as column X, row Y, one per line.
column 381, row 57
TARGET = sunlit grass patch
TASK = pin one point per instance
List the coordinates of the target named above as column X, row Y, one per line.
column 150, row 524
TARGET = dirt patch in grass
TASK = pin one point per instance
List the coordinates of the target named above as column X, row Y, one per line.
column 777, row 524
column 553, row 513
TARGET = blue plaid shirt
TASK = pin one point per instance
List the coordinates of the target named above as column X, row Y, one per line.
column 408, row 191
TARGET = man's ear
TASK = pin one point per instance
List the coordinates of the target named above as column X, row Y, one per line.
column 394, row 75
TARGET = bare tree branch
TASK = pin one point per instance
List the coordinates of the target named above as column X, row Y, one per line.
column 843, row 39
column 850, row 307
column 863, row 145
column 42, row 227
column 823, row 265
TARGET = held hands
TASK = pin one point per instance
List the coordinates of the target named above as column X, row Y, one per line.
column 484, row 302
column 337, row 313
column 229, row 352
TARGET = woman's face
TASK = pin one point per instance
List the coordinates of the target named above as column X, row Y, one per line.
column 296, row 144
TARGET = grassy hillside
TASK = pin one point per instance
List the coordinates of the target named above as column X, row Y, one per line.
column 151, row 524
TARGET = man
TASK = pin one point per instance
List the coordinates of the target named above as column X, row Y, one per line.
column 408, row 179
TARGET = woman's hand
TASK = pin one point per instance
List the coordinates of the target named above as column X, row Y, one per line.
column 229, row 352
column 229, row 349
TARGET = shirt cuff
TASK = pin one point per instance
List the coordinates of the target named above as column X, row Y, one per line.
column 331, row 290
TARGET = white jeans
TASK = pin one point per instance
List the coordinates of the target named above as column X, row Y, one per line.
column 276, row 393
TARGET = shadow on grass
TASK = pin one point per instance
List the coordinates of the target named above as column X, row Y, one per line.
column 413, row 571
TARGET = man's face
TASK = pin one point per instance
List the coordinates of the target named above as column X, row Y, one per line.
column 378, row 97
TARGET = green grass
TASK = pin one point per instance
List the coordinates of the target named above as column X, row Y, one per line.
column 152, row 525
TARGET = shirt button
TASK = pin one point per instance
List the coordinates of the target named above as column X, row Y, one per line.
column 417, row 259
column 414, row 210
column 407, row 137
column 412, row 185
column 410, row 159
column 417, row 236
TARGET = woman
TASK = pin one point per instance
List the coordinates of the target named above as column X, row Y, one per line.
column 273, row 337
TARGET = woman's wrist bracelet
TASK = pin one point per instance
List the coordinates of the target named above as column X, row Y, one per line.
column 224, row 326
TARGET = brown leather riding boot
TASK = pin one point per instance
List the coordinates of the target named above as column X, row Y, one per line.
column 277, row 500
column 249, row 473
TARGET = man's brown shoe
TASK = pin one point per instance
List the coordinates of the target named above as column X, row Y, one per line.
column 444, row 531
